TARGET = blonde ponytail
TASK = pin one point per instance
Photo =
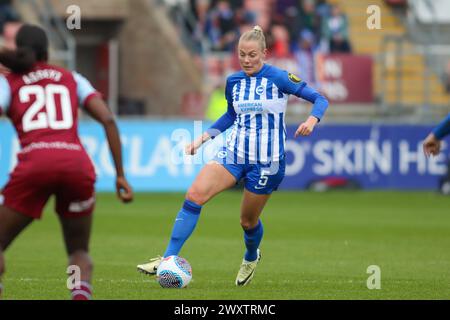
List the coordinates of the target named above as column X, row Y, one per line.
column 256, row 34
column 258, row 29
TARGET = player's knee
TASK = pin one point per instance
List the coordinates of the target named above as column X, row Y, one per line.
column 197, row 196
column 248, row 224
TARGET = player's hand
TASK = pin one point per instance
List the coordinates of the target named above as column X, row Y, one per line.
column 431, row 145
column 192, row 147
column 123, row 189
column 306, row 127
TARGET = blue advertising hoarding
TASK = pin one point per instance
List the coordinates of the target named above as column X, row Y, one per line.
column 376, row 156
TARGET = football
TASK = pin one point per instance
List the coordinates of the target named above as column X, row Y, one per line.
column 174, row 272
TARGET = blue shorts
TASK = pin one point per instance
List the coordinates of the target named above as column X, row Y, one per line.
column 258, row 178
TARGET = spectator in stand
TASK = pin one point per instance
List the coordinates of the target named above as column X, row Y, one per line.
column 335, row 31
column 323, row 9
column 216, row 103
column 226, row 17
column 283, row 9
column 10, row 30
column 245, row 17
column 280, row 42
column 7, row 13
column 221, row 28
column 304, row 54
column 198, row 9
column 308, row 17
column 287, row 12
column 236, row 4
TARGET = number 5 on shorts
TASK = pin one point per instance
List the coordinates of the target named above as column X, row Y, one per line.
column 263, row 179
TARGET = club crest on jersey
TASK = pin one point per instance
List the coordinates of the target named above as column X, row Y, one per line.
column 259, row 90
column 294, row 78
column 222, row 154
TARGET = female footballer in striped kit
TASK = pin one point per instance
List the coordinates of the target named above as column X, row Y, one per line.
column 257, row 98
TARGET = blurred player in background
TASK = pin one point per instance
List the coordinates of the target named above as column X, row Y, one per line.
column 257, row 97
column 432, row 143
column 42, row 103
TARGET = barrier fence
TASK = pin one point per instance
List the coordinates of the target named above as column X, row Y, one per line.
column 372, row 156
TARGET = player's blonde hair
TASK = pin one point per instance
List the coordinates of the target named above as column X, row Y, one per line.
column 256, row 34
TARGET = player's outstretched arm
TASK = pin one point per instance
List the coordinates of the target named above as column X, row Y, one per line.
column 192, row 147
column 432, row 143
column 443, row 129
column 221, row 125
column 320, row 105
column 98, row 110
column 307, row 127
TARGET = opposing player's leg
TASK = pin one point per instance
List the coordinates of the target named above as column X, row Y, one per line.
column 77, row 231
column 75, row 202
column 11, row 224
column 251, row 209
column 211, row 180
column 21, row 201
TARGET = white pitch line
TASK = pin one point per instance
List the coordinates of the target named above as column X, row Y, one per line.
column 64, row 280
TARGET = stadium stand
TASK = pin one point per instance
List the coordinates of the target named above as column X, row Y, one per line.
column 405, row 81
column 7, row 14
column 192, row 44
column 115, row 40
column 401, row 71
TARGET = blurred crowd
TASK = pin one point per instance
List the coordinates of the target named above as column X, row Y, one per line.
column 9, row 23
column 7, row 14
column 294, row 29
column 291, row 26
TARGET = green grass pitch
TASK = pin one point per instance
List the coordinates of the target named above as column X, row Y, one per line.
column 315, row 246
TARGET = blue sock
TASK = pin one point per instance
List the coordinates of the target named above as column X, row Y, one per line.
column 184, row 225
column 252, row 239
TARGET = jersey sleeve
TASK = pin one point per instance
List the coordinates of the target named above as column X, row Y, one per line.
column 443, row 129
column 291, row 84
column 5, row 95
column 320, row 103
column 227, row 119
column 85, row 90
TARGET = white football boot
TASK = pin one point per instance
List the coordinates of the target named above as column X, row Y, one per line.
column 150, row 267
column 247, row 271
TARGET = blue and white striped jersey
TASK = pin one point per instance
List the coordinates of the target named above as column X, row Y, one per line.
column 257, row 104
